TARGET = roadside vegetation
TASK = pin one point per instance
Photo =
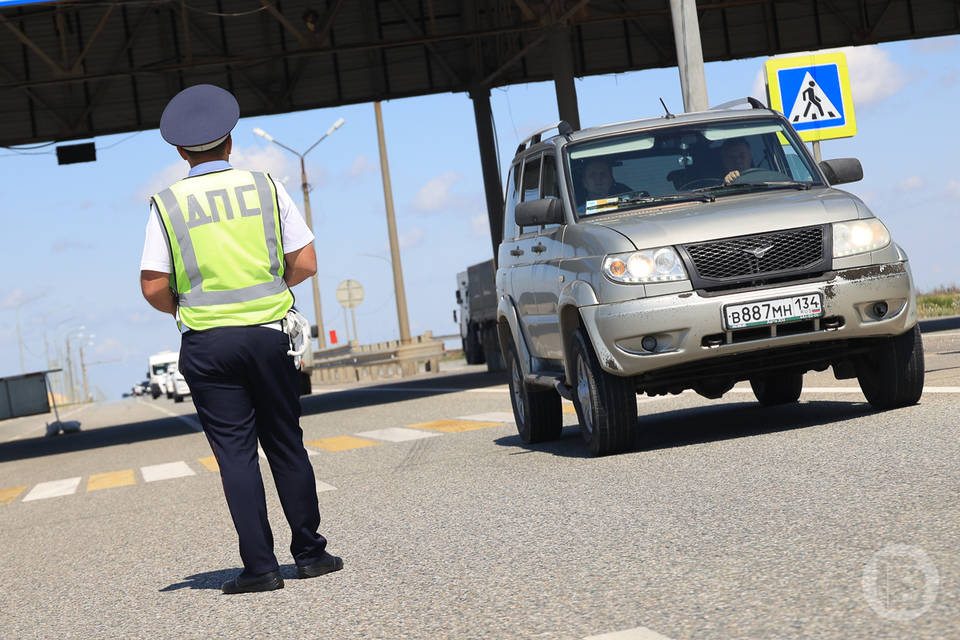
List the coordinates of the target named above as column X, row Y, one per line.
column 942, row 301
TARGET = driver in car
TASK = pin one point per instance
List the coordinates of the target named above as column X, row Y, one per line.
column 736, row 158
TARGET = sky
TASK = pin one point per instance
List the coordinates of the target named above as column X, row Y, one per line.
column 73, row 234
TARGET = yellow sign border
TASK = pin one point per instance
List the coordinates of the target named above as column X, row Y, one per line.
column 772, row 66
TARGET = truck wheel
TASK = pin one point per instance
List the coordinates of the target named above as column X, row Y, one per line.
column 777, row 387
column 606, row 404
column 537, row 412
column 177, row 397
column 472, row 350
column 892, row 374
column 491, row 349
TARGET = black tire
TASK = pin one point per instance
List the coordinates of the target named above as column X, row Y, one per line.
column 777, row 387
column 537, row 412
column 491, row 349
column 608, row 420
column 892, row 375
column 306, row 386
column 472, row 350
column 177, row 397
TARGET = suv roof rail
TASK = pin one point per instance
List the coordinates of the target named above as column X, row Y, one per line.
column 753, row 102
column 562, row 126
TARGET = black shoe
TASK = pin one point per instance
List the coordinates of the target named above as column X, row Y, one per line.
column 326, row 564
column 263, row 582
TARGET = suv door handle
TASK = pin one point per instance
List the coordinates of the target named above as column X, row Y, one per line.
column 538, row 248
column 516, row 252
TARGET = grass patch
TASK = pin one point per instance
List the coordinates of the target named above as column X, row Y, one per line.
column 942, row 301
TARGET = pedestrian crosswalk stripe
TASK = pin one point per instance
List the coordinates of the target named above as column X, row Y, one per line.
column 341, row 443
column 637, row 633
column 9, row 495
column 493, row 416
column 397, row 434
column 323, row 486
column 53, row 489
column 110, row 480
column 454, row 426
column 210, row 463
column 166, row 471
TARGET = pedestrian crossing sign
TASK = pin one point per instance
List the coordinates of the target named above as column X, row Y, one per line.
column 813, row 92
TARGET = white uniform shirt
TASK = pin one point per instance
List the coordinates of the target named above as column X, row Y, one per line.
column 295, row 233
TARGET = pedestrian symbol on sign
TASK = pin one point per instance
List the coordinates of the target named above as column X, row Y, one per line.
column 812, row 104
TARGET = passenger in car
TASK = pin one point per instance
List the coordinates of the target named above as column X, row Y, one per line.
column 598, row 180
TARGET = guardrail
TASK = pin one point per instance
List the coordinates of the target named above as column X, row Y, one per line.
column 379, row 361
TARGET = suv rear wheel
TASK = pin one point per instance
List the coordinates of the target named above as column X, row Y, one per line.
column 892, row 374
column 537, row 412
column 777, row 387
column 606, row 404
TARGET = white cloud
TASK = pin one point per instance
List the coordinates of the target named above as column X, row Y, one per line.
column 435, row 195
column 480, row 226
column 912, row 183
column 934, row 45
column 362, row 165
column 411, row 238
column 278, row 163
column 17, row 298
column 874, row 75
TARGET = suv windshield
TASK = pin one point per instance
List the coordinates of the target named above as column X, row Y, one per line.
column 687, row 162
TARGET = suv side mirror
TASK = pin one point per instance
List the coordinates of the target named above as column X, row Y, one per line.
column 842, row 170
column 534, row 213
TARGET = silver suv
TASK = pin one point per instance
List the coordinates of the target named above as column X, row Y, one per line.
column 692, row 252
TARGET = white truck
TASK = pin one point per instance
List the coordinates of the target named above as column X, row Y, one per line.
column 157, row 371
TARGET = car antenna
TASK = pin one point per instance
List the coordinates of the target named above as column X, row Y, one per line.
column 669, row 115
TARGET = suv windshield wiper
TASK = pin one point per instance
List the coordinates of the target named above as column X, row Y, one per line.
column 769, row 184
column 614, row 203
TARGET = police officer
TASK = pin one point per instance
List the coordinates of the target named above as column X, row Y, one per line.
column 223, row 247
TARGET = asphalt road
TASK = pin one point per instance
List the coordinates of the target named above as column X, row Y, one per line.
column 732, row 521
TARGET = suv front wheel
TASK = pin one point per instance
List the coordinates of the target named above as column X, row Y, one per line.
column 606, row 404
column 892, row 374
column 537, row 412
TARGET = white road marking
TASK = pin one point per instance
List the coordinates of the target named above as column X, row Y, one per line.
column 637, row 633
column 53, row 489
column 396, row 434
column 323, row 486
column 193, row 422
column 166, row 471
column 850, row 390
column 493, row 416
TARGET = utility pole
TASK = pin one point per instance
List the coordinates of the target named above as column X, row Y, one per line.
column 686, row 32
column 83, row 369
column 70, row 392
column 399, row 290
column 23, row 366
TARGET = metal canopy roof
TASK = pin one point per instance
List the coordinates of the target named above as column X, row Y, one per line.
column 77, row 69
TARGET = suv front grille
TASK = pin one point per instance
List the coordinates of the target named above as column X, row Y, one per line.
column 757, row 259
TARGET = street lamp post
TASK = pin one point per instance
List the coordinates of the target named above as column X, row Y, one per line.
column 317, row 310
column 69, row 363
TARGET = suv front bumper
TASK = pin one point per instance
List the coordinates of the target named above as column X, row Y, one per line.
column 689, row 326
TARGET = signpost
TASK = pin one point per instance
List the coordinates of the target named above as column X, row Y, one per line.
column 350, row 295
column 813, row 92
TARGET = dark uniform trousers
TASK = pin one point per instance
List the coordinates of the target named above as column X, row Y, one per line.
column 245, row 388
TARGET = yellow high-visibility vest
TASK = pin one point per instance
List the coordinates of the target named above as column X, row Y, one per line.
column 223, row 229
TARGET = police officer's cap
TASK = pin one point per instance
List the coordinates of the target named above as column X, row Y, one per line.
column 199, row 117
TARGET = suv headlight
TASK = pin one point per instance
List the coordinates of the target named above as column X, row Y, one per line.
column 649, row 265
column 859, row 236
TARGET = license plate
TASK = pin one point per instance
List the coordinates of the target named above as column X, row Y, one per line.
column 779, row 310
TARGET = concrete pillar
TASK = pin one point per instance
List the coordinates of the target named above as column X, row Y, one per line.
column 686, row 32
column 561, row 56
column 489, row 164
